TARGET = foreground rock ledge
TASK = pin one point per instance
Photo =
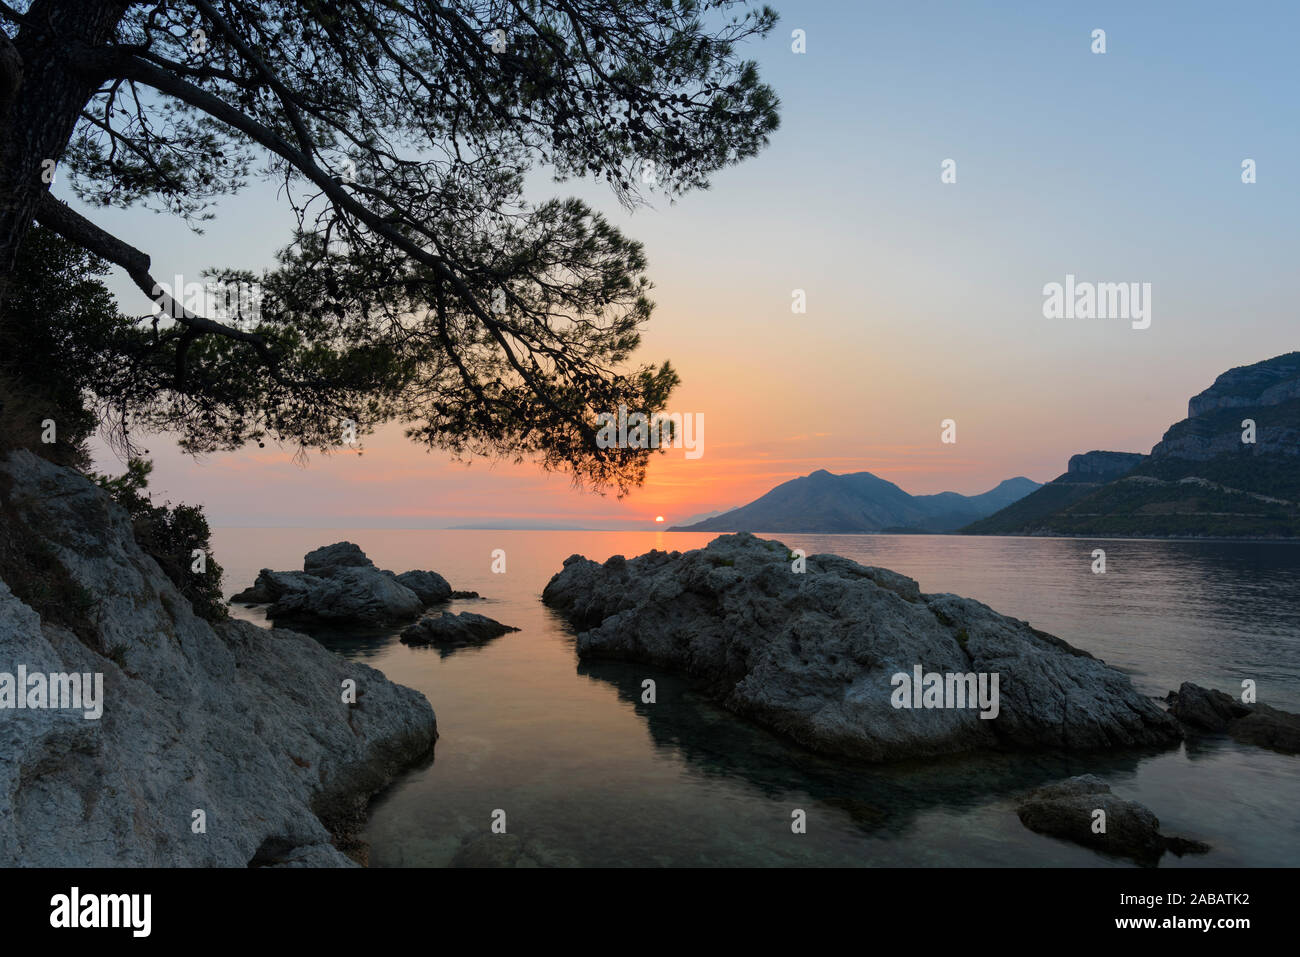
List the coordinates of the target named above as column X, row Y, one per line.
column 811, row 655
column 244, row 723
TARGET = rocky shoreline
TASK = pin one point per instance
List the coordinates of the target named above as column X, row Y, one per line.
column 220, row 744
column 278, row 744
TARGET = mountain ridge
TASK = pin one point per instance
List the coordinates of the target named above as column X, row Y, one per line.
column 858, row 502
column 1231, row 468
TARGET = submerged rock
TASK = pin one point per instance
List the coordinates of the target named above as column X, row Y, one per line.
column 466, row 628
column 1259, row 724
column 248, row 725
column 339, row 585
column 507, row 850
column 818, row 655
column 1069, row 810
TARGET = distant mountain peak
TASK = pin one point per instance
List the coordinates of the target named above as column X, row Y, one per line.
column 822, row 501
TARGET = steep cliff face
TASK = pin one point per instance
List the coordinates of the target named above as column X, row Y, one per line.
column 1267, row 393
column 244, row 730
column 1102, row 466
column 1218, row 432
column 1274, row 381
column 1212, row 474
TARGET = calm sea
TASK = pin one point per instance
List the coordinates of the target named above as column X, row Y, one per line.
column 588, row 775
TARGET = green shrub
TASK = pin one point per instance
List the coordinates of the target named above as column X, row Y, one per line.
column 170, row 534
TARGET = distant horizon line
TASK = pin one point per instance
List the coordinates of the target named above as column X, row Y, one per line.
column 628, row 525
column 1254, row 539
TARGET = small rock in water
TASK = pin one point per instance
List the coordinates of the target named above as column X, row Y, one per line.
column 1259, row 724
column 466, row 628
column 1083, row 810
column 429, row 586
column 340, row 586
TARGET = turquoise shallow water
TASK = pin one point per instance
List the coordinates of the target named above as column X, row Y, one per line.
column 588, row 775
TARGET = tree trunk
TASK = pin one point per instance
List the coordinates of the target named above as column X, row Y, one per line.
column 42, row 91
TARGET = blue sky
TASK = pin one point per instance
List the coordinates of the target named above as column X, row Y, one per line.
column 924, row 298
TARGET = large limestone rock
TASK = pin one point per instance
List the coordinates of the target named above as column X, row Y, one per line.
column 247, row 725
column 813, row 655
column 340, row 586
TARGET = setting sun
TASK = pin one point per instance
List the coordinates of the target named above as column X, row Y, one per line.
column 659, row 518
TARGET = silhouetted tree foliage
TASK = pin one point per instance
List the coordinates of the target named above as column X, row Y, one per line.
column 64, row 340
column 420, row 284
column 60, row 317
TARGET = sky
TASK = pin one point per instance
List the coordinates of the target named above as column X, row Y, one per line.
column 924, row 298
